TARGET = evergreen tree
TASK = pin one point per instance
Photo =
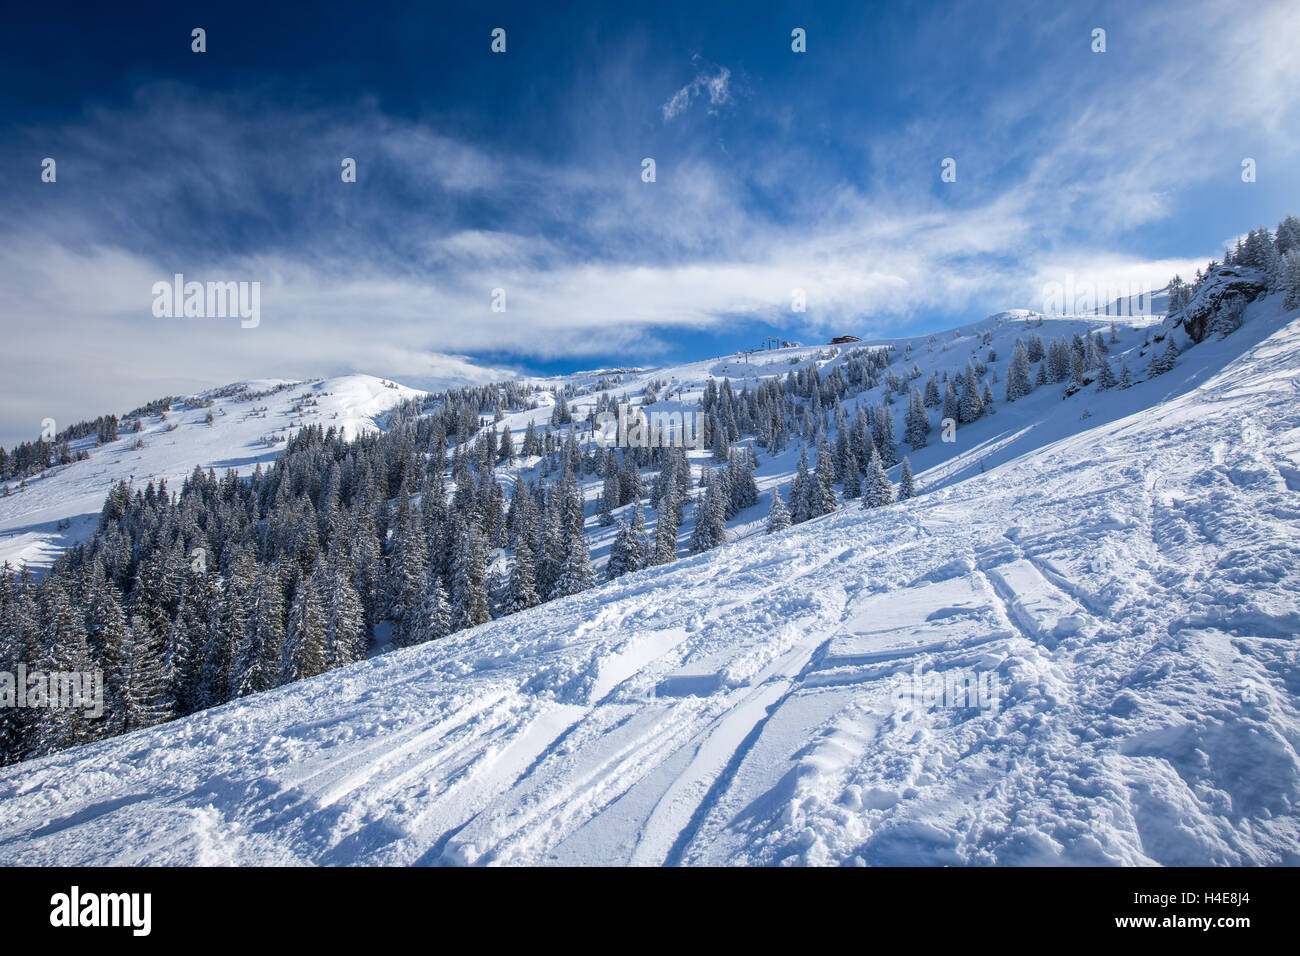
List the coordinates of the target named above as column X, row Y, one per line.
column 800, row 491
column 627, row 553
column 257, row 664
column 822, row 490
column 345, row 616
column 740, row 481
column 1165, row 360
column 672, row 501
column 66, row 649
column 304, row 652
column 916, row 422
column 19, row 639
column 951, row 404
column 576, row 574
column 468, row 591
column 433, row 618
column 906, row 483
column 877, row 491
column 971, row 406
column 188, row 639
column 141, row 684
column 1018, row 376
column 521, row 591
column 1289, row 278
column 408, row 558
column 852, row 482
column 710, row 529
column 932, row 399
column 1105, row 378
column 882, row 433
column 778, row 518
column 550, row 549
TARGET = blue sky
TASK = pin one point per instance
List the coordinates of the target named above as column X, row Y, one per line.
column 775, row 170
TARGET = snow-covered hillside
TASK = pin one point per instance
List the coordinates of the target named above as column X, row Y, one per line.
column 1123, row 563
column 250, row 421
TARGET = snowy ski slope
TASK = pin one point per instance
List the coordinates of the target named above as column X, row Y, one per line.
column 1130, row 577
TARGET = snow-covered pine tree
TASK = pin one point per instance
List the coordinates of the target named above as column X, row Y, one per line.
column 778, row 518
column 433, row 614
column 521, row 589
column 822, row 492
column 971, row 406
column 550, row 548
column 409, row 554
column 1076, row 367
column 1058, row 361
column 186, row 640
column 932, row 399
column 877, row 490
column 66, row 649
column 19, row 630
column 1227, row 317
column 852, row 482
column 304, row 653
column 1105, row 378
column 882, row 433
column 345, row 616
column 1165, row 360
column 257, row 662
column 627, row 552
column 142, row 686
column 800, row 500
column 906, row 483
column 740, row 481
column 110, row 640
column 576, row 573
column 710, row 529
column 951, row 404
column 1019, row 383
column 1289, row 283
column 916, row 422
column 469, row 596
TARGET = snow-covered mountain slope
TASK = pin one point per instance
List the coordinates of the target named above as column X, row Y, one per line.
column 250, row 421
column 1129, row 577
column 1015, row 429
column 62, row 507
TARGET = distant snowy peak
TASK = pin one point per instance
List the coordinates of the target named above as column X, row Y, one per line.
column 362, row 400
column 1013, row 315
column 237, row 426
column 354, row 403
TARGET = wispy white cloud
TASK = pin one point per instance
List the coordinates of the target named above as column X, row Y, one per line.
column 712, row 83
column 394, row 275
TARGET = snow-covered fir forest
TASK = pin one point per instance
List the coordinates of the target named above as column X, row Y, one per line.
column 345, row 540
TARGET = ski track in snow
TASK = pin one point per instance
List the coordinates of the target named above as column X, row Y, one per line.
column 1133, row 586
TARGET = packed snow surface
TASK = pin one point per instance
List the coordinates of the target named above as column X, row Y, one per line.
column 1129, row 580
